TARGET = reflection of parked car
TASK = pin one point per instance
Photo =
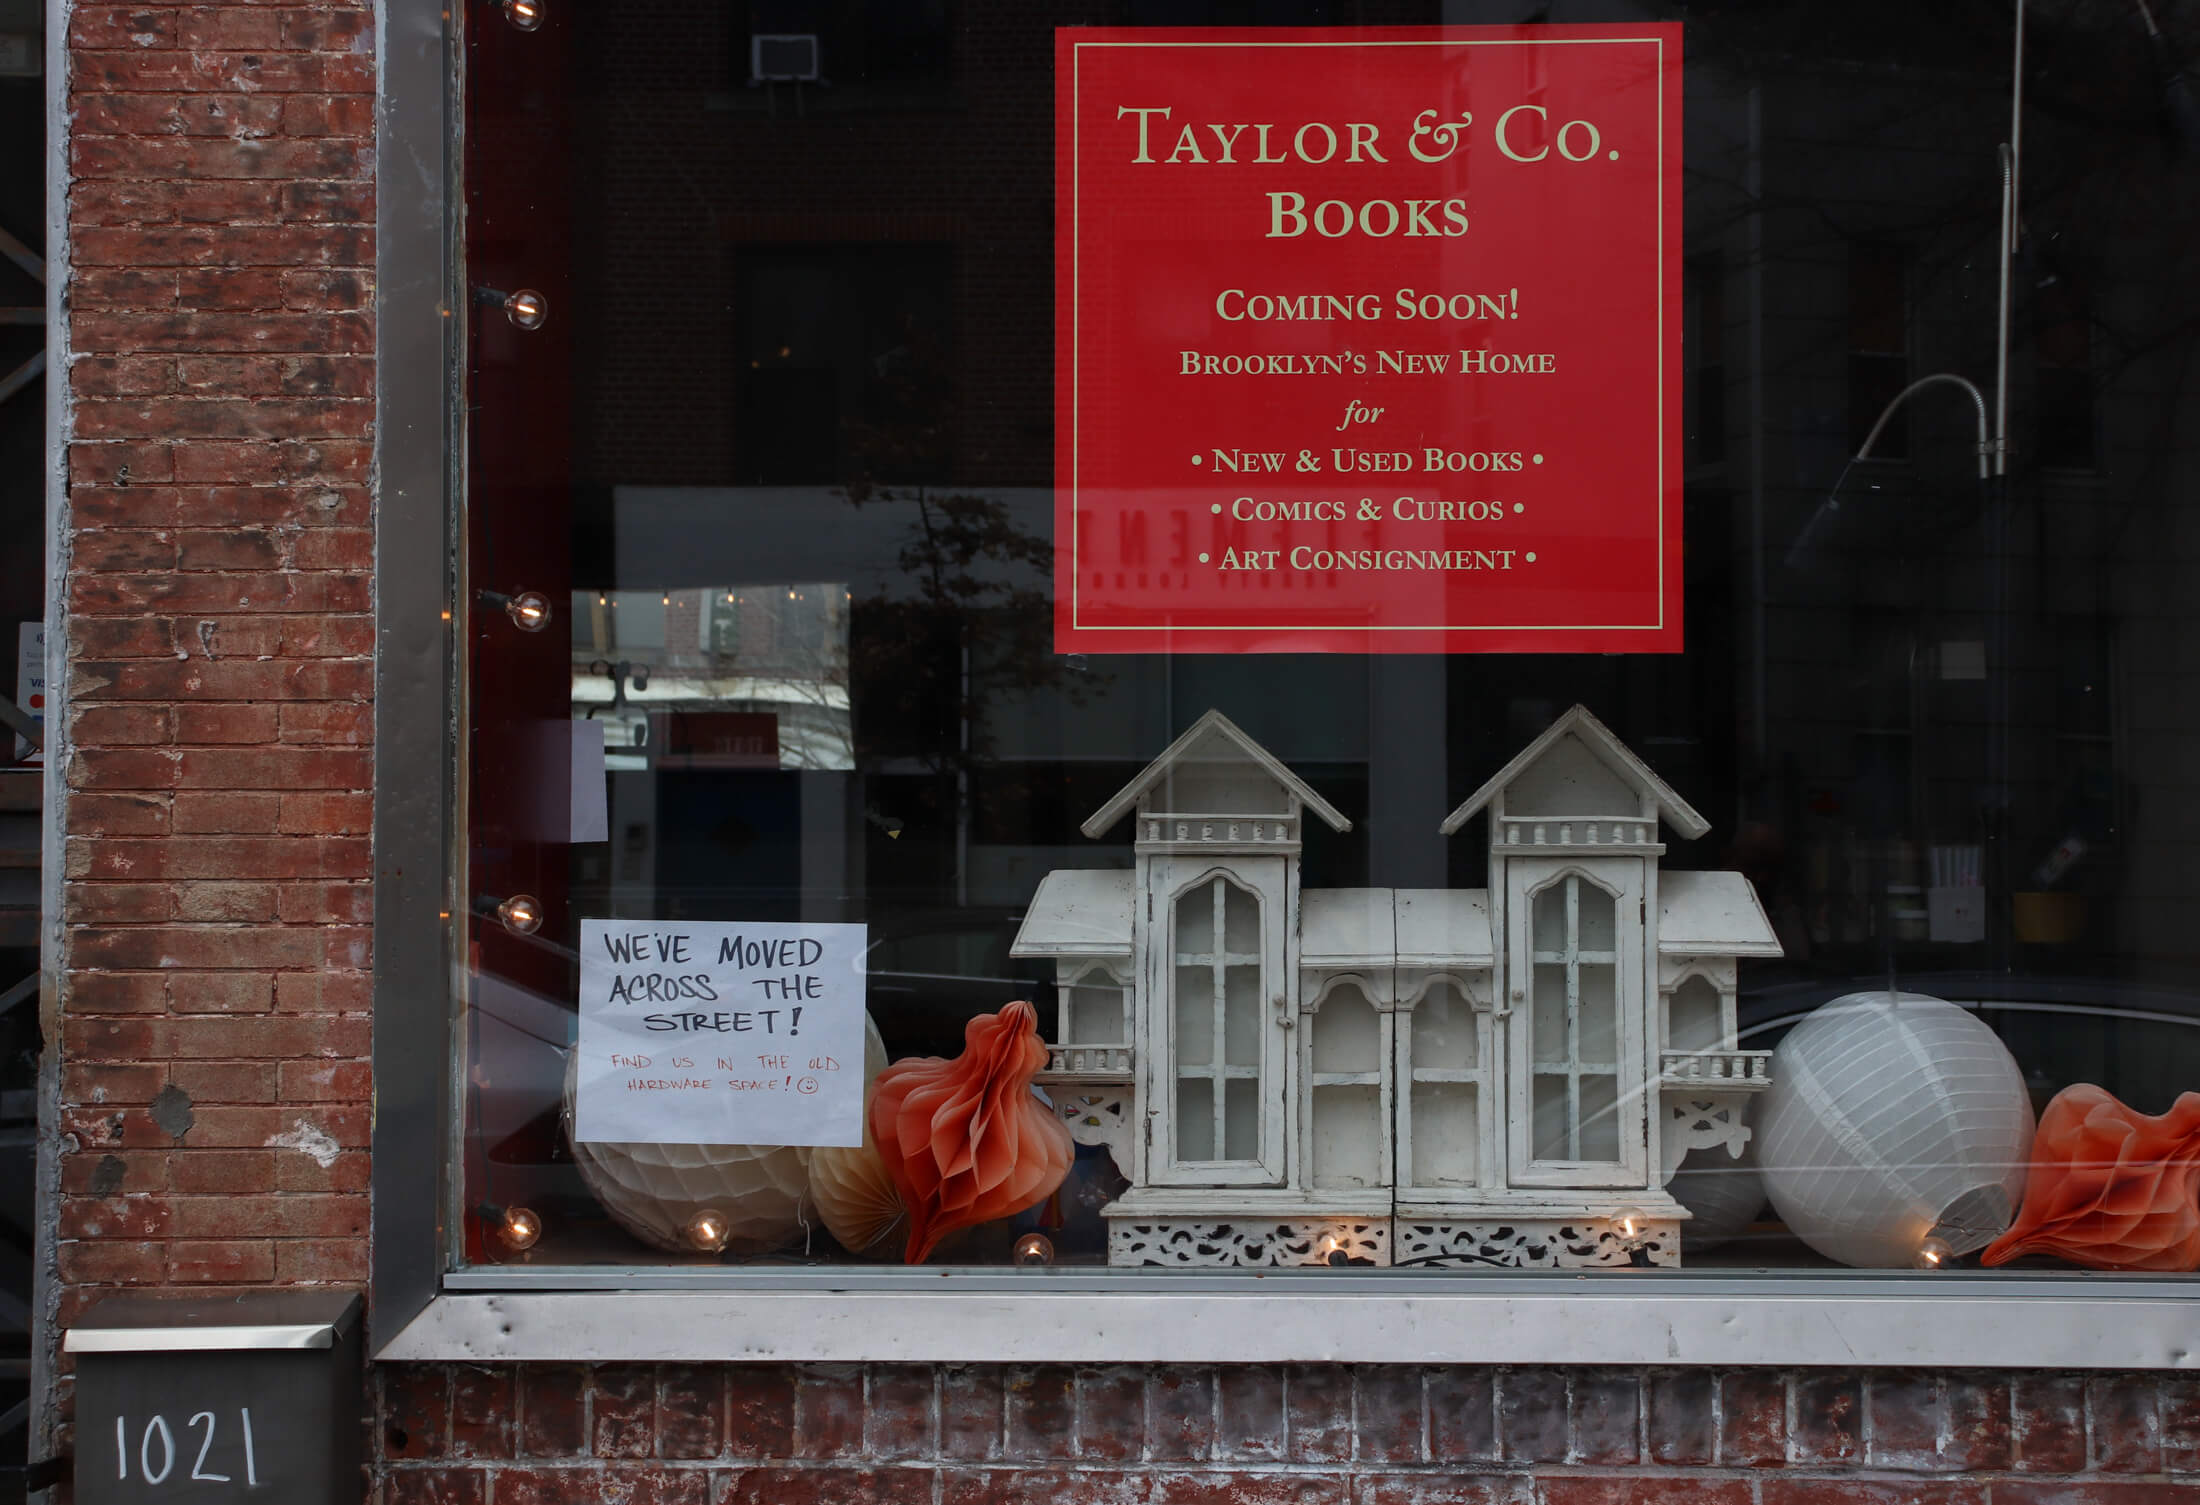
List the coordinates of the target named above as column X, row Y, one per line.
column 2140, row 1042
column 931, row 973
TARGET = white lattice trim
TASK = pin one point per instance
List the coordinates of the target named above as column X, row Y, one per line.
column 1696, row 1120
column 1097, row 1116
column 1534, row 1244
column 1240, row 1243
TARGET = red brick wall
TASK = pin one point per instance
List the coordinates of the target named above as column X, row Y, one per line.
column 213, row 1014
column 1393, row 1435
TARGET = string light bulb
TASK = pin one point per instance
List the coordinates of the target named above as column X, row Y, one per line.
column 525, row 15
column 1632, row 1225
column 708, row 1231
column 529, row 611
column 1033, row 1249
column 521, row 914
column 1933, row 1254
column 526, row 308
column 519, row 1229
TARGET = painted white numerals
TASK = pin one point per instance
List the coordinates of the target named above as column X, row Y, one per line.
column 156, row 1449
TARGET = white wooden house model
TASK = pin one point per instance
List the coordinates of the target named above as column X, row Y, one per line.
column 1499, row 1077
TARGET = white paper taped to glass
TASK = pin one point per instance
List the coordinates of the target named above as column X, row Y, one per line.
column 720, row 1032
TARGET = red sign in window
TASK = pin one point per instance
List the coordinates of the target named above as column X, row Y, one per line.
column 1368, row 340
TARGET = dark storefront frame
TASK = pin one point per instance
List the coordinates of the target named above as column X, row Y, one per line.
column 422, row 1312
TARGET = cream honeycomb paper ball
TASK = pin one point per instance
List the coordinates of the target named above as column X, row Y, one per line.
column 852, row 1189
column 1891, row 1117
column 653, row 1190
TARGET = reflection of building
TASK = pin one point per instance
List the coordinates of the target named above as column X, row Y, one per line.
column 1505, row 1076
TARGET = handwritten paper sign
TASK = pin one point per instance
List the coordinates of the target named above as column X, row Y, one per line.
column 706, row 1032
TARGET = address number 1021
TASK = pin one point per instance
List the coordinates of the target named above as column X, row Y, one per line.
column 157, row 1455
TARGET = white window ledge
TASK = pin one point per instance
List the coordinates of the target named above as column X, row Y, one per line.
column 1850, row 1321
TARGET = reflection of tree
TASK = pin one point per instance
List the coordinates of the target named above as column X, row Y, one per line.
column 968, row 625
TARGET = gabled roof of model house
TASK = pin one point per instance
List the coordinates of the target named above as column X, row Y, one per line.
column 1573, row 764
column 1209, row 752
column 1081, row 912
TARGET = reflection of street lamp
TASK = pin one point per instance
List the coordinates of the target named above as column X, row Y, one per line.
column 1993, row 472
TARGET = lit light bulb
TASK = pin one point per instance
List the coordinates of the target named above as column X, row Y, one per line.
column 529, row 611
column 519, row 1229
column 1631, row 1224
column 525, row 15
column 1933, row 1254
column 527, row 308
column 521, row 914
column 708, row 1230
column 1034, row 1249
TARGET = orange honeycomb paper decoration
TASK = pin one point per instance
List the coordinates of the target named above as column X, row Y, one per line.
column 965, row 1140
column 2110, row 1188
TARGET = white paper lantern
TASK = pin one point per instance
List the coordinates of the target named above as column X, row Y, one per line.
column 654, row 1191
column 1893, row 1117
column 1722, row 1193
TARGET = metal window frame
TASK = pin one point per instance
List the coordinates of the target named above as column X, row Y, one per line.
column 423, row 1311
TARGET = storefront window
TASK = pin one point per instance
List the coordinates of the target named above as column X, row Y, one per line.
column 1743, row 852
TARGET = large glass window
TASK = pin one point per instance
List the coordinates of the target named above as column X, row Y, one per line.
column 1835, row 938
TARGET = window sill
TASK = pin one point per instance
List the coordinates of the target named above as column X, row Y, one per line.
column 2048, row 1321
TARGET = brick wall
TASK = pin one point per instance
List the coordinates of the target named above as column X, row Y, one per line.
column 1393, row 1435
column 213, row 1033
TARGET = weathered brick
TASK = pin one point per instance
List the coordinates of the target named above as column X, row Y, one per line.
column 828, row 1411
column 972, row 1406
column 897, row 1412
column 225, row 1081
column 1976, row 1419
column 1531, row 1415
column 1021, row 1485
column 2180, row 1404
column 625, row 1411
column 1111, row 1413
column 1443, row 1489
column 221, row 1261
column 1607, row 1414
column 1789, row 1490
column 2126, row 1424
column 481, row 1408
column 1905, row 1421
column 1643, row 1490
column 553, row 1411
column 226, row 724
column 1317, row 1413
column 691, row 1411
column 437, row 1486
column 1829, row 1419
column 1389, row 1422
column 1462, row 1424
column 1180, row 1414
column 826, row 1486
column 628, row 1485
column 2090, row 1492
column 320, row 1260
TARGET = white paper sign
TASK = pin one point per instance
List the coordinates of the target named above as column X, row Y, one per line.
column 708, row 1032
column 30, row 682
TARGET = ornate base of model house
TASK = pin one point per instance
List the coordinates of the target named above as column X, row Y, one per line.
column 1227, row 1243
column 1526, row 1238
column 1569, row 1243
